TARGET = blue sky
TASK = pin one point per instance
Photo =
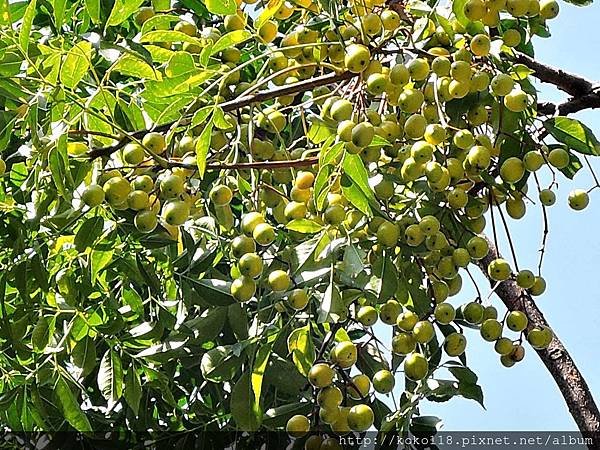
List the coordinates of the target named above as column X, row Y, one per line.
column 525, row 396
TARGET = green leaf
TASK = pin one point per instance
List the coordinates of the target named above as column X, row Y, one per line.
column 221, row 7
column 463, row 374
column 84, row 355
column 260, row 364
column 122, row 10
column 302, row 349
column 168, row 36
column 355, row 168
column 319, row 131
column 305, row 226
column 110, row 377
column 230, row 39
column 70, row 407
column 355, row 195
column 5, row 18
column 93, row 9
column 278, row 417
column 202, row 146
column 219, row 364
column 88, row 232
column 99, row 259
column 180, row 63
column 332, row 307
column 59, row 12
column 76, row 64
column 472, row 392
column 580, row 2
column 213, row 292
column 133, row 390
column 244, row 409
column 42, row 332
column 26, row 25
column 574, row 166
column 130, row 65
column 574, row 134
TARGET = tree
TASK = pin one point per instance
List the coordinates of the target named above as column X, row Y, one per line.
column 222, row 216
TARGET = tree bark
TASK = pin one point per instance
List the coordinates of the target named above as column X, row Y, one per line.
column 556, row 358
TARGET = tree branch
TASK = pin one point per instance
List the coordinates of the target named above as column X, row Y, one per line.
column 556, row 358
column 570, row 83
column 238, row 103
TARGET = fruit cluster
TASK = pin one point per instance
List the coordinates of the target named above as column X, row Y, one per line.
column 429, row 127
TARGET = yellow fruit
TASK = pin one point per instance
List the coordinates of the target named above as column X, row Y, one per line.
column 243, row 288
column 357, row 58
column 175, row 212
column 155, row 142
column 298, row 426
column 116, row 190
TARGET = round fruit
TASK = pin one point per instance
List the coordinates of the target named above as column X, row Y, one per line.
column 549, row 9
column 499, row 270
column 389, row 312
column 512, row 170
column 133, row 154
column 298, row 426
column 172, row 185
column 251, row 265
column 357, row 58
column 360, row 386
column 423, row 332
column 344, row 354
column 525, row 279
column 403, row 343
column 579, row 199
column 242, row 245
column 93, row 195
column 176, row 212
column 540, row 337
column 516, row 321
column 298, row 299
column 547, row 197
column 264, row 234
column 367, row 315
column 407, row 320
column 330, row 397
column 279, row 281
column 416, row 366
column 320, row 375
column 116, row 190
column 250, row 221
column 146, row 221
column 559, row 158
column 502, row 84
column 360, row 417
column 478, row 247
column 155, row 142
column 243, row 288
column 473, row 312
column 455, row 344
column 491, row 330
column 221, row 195
column 539, row 286
column 503, row 346
column 444, row 313
column 516, row 101
column 480, row 45
column 383, row 381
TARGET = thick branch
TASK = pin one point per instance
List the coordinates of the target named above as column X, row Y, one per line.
column 570, row 83
column 556, row 358
column 571, row 106
column 238, row 103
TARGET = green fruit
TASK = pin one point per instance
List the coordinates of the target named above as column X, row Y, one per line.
column 478, row 247
column 133, row 154
column 155, row 142
column 279, row 281
column 367, row 316
column 264, row 234
column 403, row 343
column 512, row 170
column 313, row 443
column 360, row 418
column 473, row 312
column 330, row 397
column 547, row 197
column 474, row 9
column 441, row 66
column 549, row 9
column 455, row 344
column 298, row 426
column 516, row 321
column 138, row 200
column 146, row 221
column 407, row 320
column 429, row 225
column 295, row 210
column 175, row 212
column 540, row 337
column 559, row 158
column 383, row 381
column 243, row 288
column 389, row 312
column 298, row 299
column 251, row 265
column 416, row 366
column 116, row 190
column 344, row 354
column 516, row 208
column 479, row 157
column 418, row 69
column 507, row 361
column 242, row 245
column 511, row 37
column 423, row 332
column 250, row 221
column 491, row 330
column 93, row 195
column 516, row 101
column 503, row 346
column 480, row 45
column 357, row 58
column 489, row 312
column 461, row 257
column 362, row 134
column 341, row 110
column 415, row 125
column 143, row 183
column 578, row 199
column 414, row 235
column 399, row 75
column 502, row 84
column 525, row 279
column 440, row 290
column 320, row 375
column 539, row 286
column 360, row 387
column 533, row 160
column 220, row 195
column 499, row 270
column 444, row 313
column 172, row 185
